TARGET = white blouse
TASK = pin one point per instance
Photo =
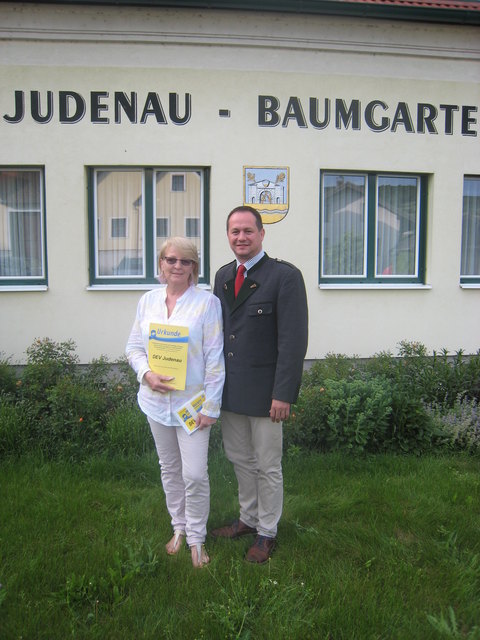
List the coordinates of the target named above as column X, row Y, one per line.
column 200, row 311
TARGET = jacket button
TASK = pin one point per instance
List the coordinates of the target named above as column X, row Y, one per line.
column 260, row 311
column 229, row 354
column 232, row 337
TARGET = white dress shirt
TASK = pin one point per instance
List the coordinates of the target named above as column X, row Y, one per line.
column 200, row 311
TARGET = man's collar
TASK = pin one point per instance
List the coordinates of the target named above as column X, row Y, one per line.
column 253, row 261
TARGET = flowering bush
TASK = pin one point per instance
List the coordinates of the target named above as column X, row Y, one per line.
column 460, row 424
column 409, row 403
column 62, row 409
column 414, row 402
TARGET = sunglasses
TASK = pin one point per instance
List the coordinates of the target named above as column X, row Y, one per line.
column 183, row 261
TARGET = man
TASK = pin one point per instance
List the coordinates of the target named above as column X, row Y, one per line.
column 265, row 333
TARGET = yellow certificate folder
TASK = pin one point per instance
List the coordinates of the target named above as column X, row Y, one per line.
column 167, row 352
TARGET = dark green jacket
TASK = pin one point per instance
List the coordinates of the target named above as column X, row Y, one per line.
column 266, row 332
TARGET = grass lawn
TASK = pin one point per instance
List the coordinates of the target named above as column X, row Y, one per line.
column 368, row 548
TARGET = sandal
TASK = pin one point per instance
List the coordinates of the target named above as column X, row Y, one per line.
column 199, row 555
column 174, row 545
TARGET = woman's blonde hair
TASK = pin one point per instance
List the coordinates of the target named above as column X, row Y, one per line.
column 187, row 249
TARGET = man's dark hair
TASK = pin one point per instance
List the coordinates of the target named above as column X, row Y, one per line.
column 254, row 212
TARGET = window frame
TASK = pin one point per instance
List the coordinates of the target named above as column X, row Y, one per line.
column 31, row 282
column 369, row 277
column 467, row 280
column 150, row 276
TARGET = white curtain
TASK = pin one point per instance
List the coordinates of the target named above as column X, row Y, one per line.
column 397, row 218
column 471, row 228
column 21, row 236
column 343, row 227
column 120, row 224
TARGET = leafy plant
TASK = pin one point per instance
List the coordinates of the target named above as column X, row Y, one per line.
column 12, row 432
column 8, row 378
column 341, row 415
column 460, row 424
column 63, row 409
column 47, row 363
column 335, row 366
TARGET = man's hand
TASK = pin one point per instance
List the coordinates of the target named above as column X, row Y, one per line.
column 156, row 382
column 279, row 411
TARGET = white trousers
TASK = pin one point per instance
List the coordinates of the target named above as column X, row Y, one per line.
column 183, row 461
column 254, row 447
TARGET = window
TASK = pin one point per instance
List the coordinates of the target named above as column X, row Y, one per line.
column 192, row 227
column 22, row 227
column 178, row 182
column 372, row 228
column 119, row 228
column 470, row 267
column 163, row 228
column 131, row 213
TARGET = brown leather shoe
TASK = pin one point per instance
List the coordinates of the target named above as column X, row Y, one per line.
column 261, row 550
column 234, row 530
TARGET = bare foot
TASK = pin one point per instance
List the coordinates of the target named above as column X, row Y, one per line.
column 199, row 555
column 174, row 545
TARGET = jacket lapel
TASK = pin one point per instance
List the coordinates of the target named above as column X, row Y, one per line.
column 249, row 286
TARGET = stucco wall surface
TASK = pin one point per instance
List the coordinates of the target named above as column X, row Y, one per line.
column 226, row 60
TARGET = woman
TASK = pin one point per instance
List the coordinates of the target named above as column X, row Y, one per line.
column 182, row 455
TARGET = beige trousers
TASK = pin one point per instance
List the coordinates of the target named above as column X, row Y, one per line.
column 254, row 447
column 184, row 469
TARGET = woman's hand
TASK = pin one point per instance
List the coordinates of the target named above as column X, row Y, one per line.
column 157, row 382
column 204, row 421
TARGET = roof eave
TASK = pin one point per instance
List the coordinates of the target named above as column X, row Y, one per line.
column 358, row 8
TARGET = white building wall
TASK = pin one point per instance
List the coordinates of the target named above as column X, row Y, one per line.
column 225, row 60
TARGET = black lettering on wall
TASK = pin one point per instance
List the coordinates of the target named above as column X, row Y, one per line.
column 267, row 111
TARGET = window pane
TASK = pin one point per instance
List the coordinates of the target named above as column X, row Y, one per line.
column 162, row 228
column 397, row 231
column 119, row 215
column 21, row 228
column 192, row 227
column 178, row 182
column 471, row 227
column 178, row 206
column 119, row 228
column 343, row 225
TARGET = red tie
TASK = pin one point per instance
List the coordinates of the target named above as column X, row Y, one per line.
column 239, row 278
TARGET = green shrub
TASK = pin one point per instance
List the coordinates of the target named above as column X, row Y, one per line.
column 12, row 429
column 335, row 366
column 65, row 408
column 411, row 428
column 47, row 363
column 438, row 378
column 459, row 425
column 8, row 379
column 306, row 425
column 410, row 403
column 77, row 416
column 346, row 415
column 359, row 412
